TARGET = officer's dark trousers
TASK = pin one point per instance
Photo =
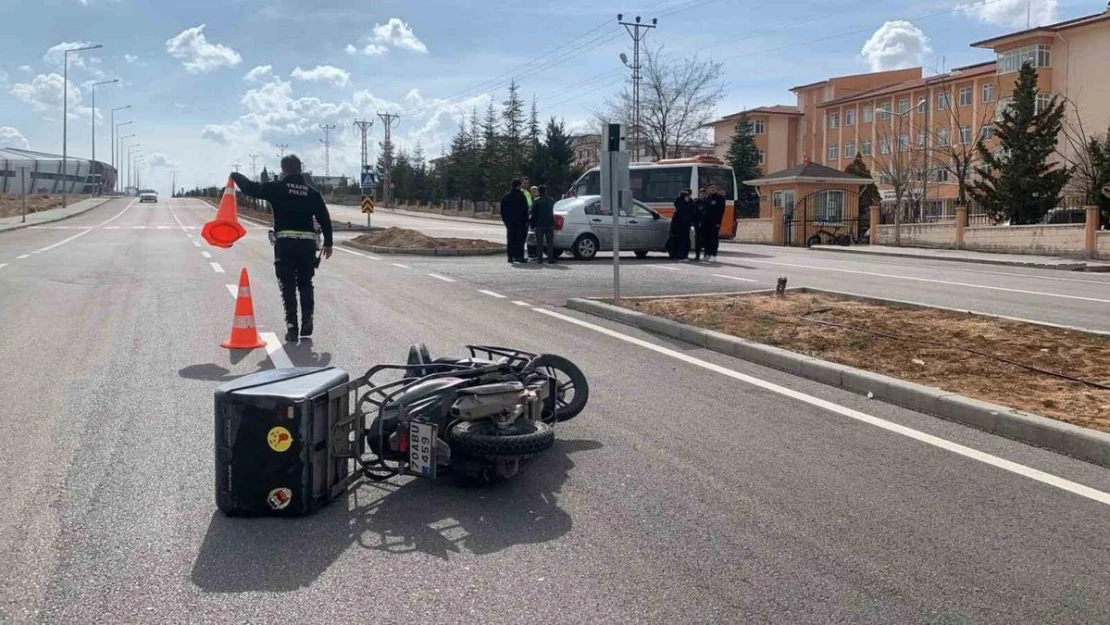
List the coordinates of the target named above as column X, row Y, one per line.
column 295, row 264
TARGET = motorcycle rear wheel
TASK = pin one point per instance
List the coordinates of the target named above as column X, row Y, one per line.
column 572, row 388
column 483, row 438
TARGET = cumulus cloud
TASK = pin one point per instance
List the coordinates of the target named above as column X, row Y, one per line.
column 130, row 58
column 374, row 49
column 158, row 159
column 259, row 73
column 25, row 68
column 350, row 49
column 55, row 55
column 323, row 73
column 197, row 54
column 216, row 134
column 12, row 138
column 896, row 45
column 45, row 93
column 1012, row 13
column 398, row 34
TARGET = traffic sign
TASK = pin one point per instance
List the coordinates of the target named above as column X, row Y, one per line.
column 367, row 179
column 367, row 204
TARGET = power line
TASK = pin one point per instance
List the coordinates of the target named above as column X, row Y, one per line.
column 364, row 126
column 388, row 119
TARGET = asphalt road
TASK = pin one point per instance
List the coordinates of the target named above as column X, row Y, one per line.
column 681, row 494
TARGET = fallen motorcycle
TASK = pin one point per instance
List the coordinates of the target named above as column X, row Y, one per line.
column 290, row 440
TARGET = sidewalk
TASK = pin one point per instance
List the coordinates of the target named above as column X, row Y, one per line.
column 52, row 215
column 410, row 213
column 964, row 256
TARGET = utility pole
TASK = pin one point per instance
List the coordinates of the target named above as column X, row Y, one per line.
column 638, row 32
column 65, row 117
column 281, row 147
column 363, row 127
column 235, row 166
column 388, row 119
column 254, row 165
column 327, row 128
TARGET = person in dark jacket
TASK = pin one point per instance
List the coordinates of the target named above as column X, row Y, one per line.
column 543, row 222
column 294, row 204
column 514, row 214
column 711, row 221
column 699, row 218
column 684, row 208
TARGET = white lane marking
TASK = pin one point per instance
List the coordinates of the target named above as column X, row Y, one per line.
column 342, row 249
column 196, row 243
column 165, row 227
column 23, row 256
column 2, row 265
column 727, row 277
column 206, row 254
column 931, row 280
column 520, row 303
column 178, row 220
column 372, row 257
column 929, row 439
column 90, row 229
column 491, row 294
column 275, row 350
column 138, row 227
column 233, row 289
column 216, row 267
column 663, row 267
column 111, row 227
column 401, row 266
column 439, row 277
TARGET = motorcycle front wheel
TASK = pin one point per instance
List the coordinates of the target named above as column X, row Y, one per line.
column 572, row 391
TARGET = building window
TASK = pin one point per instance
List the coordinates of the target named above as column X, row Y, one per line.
column 830, row 206
column 762, row 157
column 923, row 105
column 943, row 100
column 834, row 151
column 940, row 174
column 1043, row 101
column 884, row 110
column 884, row 178
column 942, row 137
column 988, row 92
column 1036, row 55
column 783, row 200
column 759, row 126
column 922, row 137
column 865, row 147
column 866, row 114
column 966, row 95
column 833, row 120
column 849, row 149
column 903, row 106
column 850, row 117
column 904, row 142
column 986, row 132
column 884, row 146
column 965, row 134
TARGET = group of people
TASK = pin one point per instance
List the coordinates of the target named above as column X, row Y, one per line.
column 704, row 215
column 521, row 209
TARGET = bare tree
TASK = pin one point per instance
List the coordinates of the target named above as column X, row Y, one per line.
column 898, row 163
column 1089, row 157
column 678, row 98
column 953, row 140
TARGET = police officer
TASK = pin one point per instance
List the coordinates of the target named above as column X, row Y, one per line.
column 294, row 205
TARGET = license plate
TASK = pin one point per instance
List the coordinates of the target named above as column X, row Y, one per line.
column 422, row 449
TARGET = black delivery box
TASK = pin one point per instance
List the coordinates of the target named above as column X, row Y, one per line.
column 272, row 434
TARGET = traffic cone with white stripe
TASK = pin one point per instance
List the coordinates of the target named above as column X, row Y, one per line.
column 244, row 334
column 225, row 229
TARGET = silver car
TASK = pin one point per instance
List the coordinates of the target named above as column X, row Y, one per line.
column 583, row 229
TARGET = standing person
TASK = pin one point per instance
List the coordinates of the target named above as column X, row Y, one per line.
column 714, row 216
column 699, row 218
column 514, row 214
column 543, row 222
column 294, row 205
column 684, row 208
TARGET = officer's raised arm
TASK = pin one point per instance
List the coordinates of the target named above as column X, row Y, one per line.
column 248, row 186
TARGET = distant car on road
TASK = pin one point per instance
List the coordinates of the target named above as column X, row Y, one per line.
column 148, row 195
column 583, row 229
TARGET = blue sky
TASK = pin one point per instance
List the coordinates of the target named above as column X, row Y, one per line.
column 212, row 81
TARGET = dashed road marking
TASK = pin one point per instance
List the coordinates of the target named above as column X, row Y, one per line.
column 929, row 439
column 520, row 303
column 111, row 227
column 439, row 277
column 206, row 254
column 23, row 256
column 737, row 278
column 401, row 266
column 138, row 227
column 491, row 293
column 233, row 289
column 341, row 249
column 196, row 243
column 2, row 265
column 90, row 229
column 665, row 267
column 275, row 350
column 216, row 267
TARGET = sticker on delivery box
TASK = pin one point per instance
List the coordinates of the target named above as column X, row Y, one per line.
column 279, row 439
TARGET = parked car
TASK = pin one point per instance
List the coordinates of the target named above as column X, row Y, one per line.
column 583, row 229
column 148, row 195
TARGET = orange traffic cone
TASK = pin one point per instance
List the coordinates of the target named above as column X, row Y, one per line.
column 244, row 334
column 225, row 229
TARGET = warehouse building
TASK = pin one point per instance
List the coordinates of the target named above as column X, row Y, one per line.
column 26, row 171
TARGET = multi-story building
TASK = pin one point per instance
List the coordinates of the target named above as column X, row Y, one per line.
column 586, row 150
column 776, row 135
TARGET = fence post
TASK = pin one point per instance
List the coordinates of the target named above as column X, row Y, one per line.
column 777, row 234
column 961, row 223
column 1090, row 238
column 874, row 226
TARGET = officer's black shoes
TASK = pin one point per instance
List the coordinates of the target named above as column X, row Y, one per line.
column 306, row 327
column 291, row 333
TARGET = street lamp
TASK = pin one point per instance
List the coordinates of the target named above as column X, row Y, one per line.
column 114, row 134
column 92, row 90
column 65, row 113
column 130, row 161
column 120, row 140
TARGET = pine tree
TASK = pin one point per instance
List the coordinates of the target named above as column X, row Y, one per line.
column 743, row 155
column 1018, row 182
column 513, row 117
column 264, row 177
column 533, row 137
column 869, row 196
column 557, row 164
column 490, row 168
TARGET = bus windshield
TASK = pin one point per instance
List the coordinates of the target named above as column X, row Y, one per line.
column 719, row 176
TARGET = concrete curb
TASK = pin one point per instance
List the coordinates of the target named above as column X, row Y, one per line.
column 1089, row 445
column 96, row 204
column 421, row 252
column 1077, row 265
